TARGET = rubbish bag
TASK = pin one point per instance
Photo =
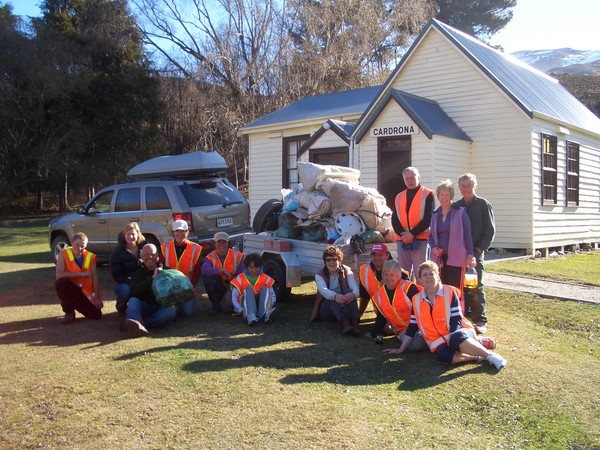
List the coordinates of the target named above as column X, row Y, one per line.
column 171, row 287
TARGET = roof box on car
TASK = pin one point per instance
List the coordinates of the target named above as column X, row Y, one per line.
column 179, row 165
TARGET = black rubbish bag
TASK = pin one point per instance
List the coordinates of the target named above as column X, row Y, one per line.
column 171, row 287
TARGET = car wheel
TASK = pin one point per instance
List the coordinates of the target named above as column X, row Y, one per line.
column 275, row 268
column 151, row 239
column 265, row 218
column 58, row 243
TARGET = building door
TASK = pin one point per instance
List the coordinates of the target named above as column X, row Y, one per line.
column 393, row 156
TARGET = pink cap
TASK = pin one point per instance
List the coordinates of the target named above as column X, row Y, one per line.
column 379, row 248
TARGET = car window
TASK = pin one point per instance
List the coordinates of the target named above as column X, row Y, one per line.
column 210, row 192
column 128, row 199
column 156, row 198
column 100, row 204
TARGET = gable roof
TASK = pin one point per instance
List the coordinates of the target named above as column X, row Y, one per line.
column 427, row 114
column 531, row 90
column 342, row 129
column 326, row 106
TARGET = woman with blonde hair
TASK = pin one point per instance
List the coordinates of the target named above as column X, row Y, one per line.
column 124, row 260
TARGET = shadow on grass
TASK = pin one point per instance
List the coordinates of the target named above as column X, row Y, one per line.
column 29, row 258
column 49, row 332
column 293, row 344
column 28, row 287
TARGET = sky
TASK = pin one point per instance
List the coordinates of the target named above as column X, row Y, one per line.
column 536, row 24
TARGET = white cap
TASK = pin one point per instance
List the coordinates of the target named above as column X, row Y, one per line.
column 221, row 236
column 180, row 225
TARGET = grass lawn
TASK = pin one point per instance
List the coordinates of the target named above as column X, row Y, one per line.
column 583, row 268
column 216, row 383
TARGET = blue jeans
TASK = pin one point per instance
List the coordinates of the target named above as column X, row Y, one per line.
column 122, row 291
column 186, row 309
column 150, row 315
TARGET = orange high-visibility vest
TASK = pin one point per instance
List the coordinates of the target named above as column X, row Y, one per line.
column 434, row 323
column 241, row 282
column 369, row 280
column 189, row 257
column 232, row 260
column 87, row 284
column 409, row 219
column 396, row 310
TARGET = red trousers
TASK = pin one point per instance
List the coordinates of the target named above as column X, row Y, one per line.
column 73, row 299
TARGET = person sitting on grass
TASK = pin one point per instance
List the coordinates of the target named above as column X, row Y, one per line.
column 77, row 281
column 252, row 293
column 337, row 292
column 393, row 303
column 143, row 311
column 437, row 314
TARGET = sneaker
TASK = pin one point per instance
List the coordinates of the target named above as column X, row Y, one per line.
column 487, row 342
column 480, row 327
column 496, row 360
column 135, row 327
column 269, row 318
column 252, row 320
column 69, row 318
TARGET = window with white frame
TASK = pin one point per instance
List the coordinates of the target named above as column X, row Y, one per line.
column 572, row 196
column 290, row 159
column 549, row 170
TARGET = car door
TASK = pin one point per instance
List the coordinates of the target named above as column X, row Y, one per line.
column 94, row 223
column 127, row 208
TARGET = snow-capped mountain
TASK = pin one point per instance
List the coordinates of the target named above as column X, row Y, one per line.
column 562, row 60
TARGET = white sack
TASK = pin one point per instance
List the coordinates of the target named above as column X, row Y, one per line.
column 310, row 174
column 346, row 197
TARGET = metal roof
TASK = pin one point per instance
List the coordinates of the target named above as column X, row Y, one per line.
column 336, row 104
column 532, row 90
column 427, row 114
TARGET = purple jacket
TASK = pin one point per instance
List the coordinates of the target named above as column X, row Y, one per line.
column 460, row 242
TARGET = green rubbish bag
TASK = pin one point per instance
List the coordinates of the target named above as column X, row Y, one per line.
column 171, row 287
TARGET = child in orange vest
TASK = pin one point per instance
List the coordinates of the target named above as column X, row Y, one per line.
column 252, row 293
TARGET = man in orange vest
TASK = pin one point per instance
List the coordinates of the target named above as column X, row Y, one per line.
column 218, row 269
column 183, row 255
column 413, row 208
column 77, row 281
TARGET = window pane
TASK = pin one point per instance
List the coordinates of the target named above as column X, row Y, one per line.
column 101, row 204
column 128, row 199
column 156, row 198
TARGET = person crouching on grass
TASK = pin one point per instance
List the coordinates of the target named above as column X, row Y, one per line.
column 252, row 293
column 437, row 314
column 77, row 281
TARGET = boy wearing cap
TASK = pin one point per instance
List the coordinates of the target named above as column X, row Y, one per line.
column 183, row 255
column 221, row 266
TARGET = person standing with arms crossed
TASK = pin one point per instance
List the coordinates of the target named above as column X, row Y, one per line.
column 413, row 209
column 483, row 230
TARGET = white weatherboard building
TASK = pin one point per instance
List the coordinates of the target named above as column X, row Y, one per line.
column 452, row 105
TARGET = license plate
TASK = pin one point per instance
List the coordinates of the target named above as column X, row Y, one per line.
column 224, row 222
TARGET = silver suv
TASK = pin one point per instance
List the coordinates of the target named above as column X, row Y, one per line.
column 208, row 203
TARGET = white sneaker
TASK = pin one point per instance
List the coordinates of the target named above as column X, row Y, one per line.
column 496, row 360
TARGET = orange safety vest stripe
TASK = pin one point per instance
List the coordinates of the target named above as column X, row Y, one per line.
column 369, row 280
column 434, row 322
column 187, row 262
column 397, row 311
column 408, row 219
column 241, row 282
column 87, row 284
column 232, row 261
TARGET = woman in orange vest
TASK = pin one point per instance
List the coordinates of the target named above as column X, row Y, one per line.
column 77, row 281
column 449, row 336
column 252, row 293
column 392, row 300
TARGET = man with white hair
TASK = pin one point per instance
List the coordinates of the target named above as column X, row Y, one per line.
column 183, row 255
column 413, row 209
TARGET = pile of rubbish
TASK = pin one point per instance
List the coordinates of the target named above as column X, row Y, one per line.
column 330, row 206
